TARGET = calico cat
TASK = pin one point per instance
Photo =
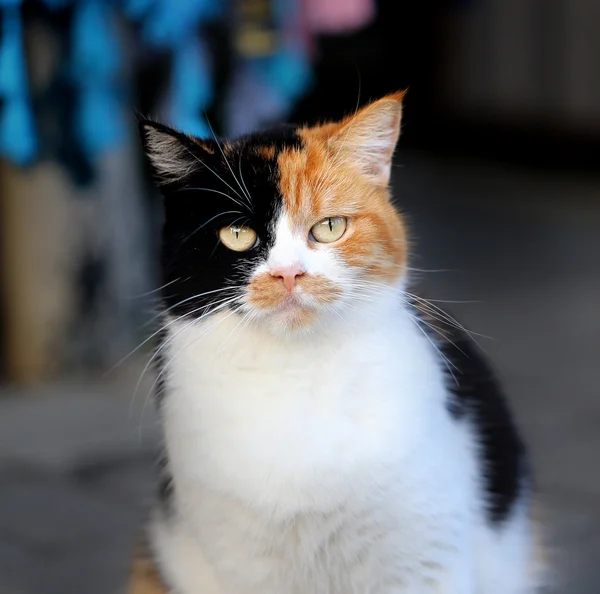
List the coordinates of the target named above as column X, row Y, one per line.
column 325, row 431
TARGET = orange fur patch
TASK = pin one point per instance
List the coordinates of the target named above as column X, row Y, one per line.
column 319, row 287
column 267, row 292
column 266, row 152
column 318, row 181
column 145, row 578
column 209, row 149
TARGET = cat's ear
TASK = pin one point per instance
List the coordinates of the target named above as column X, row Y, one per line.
column 173, row 155
column 368, row 138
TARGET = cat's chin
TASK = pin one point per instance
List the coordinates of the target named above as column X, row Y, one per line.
column 291, row 317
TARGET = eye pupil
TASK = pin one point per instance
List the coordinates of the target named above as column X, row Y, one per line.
column 328, row 230
column 238, row 238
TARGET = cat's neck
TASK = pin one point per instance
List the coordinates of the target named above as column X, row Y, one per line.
column 242, row 404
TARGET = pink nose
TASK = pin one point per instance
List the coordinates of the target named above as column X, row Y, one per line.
column 288, row 275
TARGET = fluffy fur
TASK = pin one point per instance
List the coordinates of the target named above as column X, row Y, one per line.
column 315, row 440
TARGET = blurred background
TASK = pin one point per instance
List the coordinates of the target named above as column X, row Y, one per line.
column 497, row 172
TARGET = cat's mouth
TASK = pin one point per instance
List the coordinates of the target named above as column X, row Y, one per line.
column 297, row 309
column 268, row 293
column 293, row 302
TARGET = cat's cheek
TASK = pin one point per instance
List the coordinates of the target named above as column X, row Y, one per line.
column 319, row 289
column 375, row 249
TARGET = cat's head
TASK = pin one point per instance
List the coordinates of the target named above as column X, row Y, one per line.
column 290, row 227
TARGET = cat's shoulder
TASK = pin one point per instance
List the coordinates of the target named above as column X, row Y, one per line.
column 476, row 396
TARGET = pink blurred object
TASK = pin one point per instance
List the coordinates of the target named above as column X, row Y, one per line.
column 337, row 16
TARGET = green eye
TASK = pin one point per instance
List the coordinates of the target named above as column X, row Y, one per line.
column 238, row 238
column 329, row 230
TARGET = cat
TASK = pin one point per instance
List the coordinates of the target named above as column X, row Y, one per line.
column 325, row 430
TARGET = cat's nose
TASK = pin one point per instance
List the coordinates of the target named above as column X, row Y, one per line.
column 288, row 274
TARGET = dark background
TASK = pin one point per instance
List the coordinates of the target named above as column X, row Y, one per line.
column 497, row 174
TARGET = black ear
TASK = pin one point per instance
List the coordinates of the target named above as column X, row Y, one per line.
column 174, row 156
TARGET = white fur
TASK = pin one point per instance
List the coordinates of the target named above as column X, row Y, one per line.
column 168, row 155
column 291, row 249
column 324, row 463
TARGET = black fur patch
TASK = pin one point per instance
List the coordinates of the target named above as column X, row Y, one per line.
column 476, row 397
column 165, row 484
column 196, row 266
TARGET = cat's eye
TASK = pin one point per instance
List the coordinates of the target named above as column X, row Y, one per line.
column 329, row 230
column 238, row 238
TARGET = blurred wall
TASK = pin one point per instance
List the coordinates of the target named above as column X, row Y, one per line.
column 534, row 61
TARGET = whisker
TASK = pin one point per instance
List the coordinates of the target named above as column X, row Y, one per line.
column 244, row 317
column 209, row 221
column 227, row 162
column 155, row 290
column 454, row 301
column 212, row 190
column 152, row 359
column 168, row 309
column 217, row 176
column 430, row 269
column 428, row 309
column 445, row 359
column 170, row 361
column 240, row 170
column 139, row 346
column 445, row 317
column 221, row 305
column 197, row 296
column 444, row 336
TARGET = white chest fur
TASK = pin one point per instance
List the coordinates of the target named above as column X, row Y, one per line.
column 312, row 466
column 292, row 425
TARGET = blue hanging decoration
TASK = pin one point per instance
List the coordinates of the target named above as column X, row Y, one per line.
column 56, row 4
column 288, row 72
column 175, row 25
column 137, row 9
column 95, row 68
column 172, row 22
column 192, row 88
column 17, row 129
column 273, row 69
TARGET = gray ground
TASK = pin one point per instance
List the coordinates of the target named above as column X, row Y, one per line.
column 75, row 462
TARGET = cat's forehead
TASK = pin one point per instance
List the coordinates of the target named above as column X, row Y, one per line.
column 305, row 177
column 267, row 144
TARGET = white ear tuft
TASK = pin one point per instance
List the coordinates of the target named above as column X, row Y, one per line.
column 169, row 152
column 368, row 139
